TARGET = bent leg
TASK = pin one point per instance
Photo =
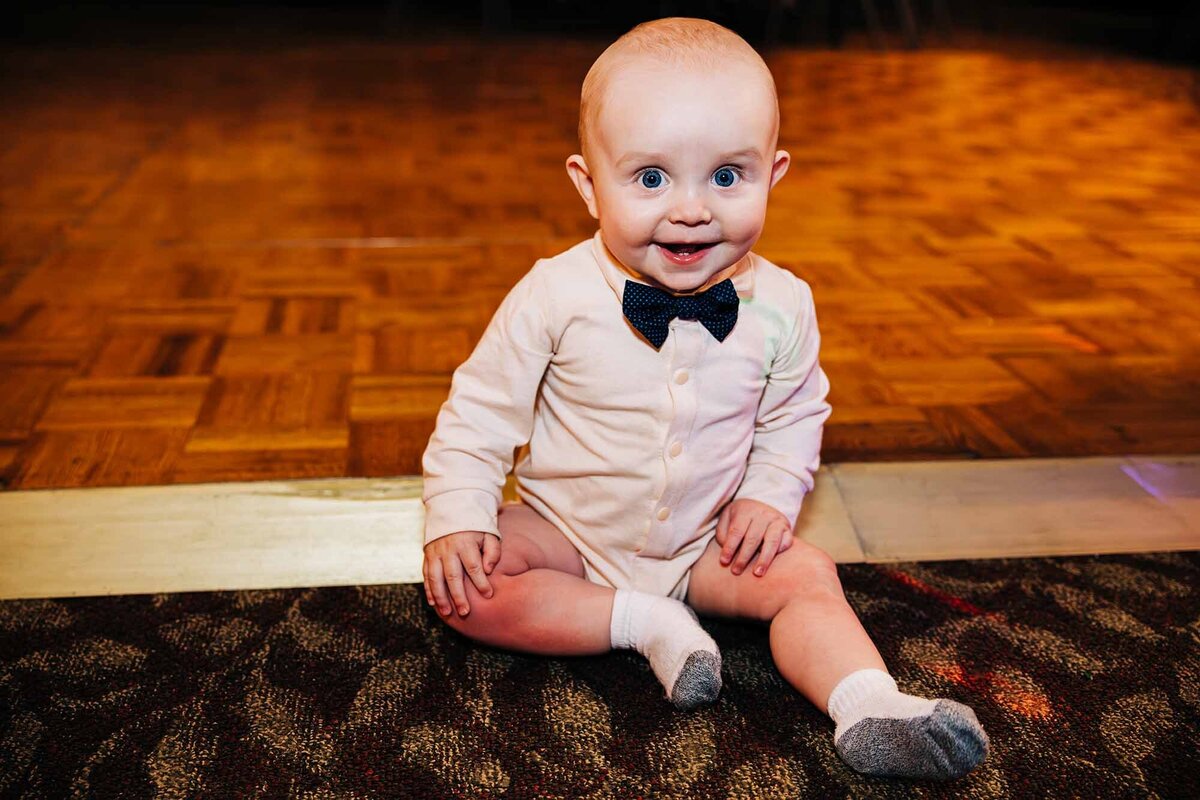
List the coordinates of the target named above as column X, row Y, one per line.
column 816, row 638
column 541, row 602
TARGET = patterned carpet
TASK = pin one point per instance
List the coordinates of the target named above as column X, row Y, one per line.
column 1085, row 671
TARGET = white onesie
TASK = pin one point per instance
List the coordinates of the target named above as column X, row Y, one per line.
column 633, row 452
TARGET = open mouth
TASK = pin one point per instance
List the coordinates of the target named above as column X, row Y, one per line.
column 682, row 253
column 681, row 249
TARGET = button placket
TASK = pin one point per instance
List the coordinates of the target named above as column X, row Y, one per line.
column 688, row 347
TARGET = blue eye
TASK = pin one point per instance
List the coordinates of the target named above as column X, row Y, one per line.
column 725, row 177
column 652, row 179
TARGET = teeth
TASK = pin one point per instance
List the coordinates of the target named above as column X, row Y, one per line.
column 684, row 249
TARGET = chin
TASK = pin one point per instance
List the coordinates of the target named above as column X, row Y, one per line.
column 687, row 283
column 685, row 280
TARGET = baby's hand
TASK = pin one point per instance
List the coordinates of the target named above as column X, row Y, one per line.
column 447, row 558
column 748, row 526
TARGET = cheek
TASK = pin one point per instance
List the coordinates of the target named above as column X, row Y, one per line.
column 635, row 222
column 744, row 220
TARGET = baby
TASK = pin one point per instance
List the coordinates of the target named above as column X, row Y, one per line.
column 666, row 381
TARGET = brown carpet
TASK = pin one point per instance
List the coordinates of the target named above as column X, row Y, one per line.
column 1085, row 671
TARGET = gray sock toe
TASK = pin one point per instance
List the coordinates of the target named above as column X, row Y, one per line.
column 699, row 681
column 946, row 744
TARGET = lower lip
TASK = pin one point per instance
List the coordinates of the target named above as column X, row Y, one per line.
column 682, row 259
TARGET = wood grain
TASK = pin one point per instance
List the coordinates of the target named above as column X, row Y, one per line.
column 220, row 265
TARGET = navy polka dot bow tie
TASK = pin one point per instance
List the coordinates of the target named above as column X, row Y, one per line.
column 651, row 310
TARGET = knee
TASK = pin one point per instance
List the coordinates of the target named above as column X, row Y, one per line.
column 487, row 614
column 518, row 555
column 815, row 572
column 810, row 578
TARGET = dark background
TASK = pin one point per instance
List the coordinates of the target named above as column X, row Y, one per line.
column 1160, row 29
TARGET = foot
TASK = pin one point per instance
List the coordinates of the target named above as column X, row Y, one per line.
column 947, row 743
column 682, row 655
column 698, row 682
column 882, row 731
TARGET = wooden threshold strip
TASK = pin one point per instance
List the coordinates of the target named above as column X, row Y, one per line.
column 353, row 531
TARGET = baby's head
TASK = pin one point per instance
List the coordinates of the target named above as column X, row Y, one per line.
column 678, row 124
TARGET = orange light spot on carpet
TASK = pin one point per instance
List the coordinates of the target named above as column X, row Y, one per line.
column 951, row 672
column 1033, row 705
column 1014, row 695
column 957, row 603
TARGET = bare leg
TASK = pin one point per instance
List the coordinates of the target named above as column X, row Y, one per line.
column 816, row 638
column 541, row 602
column 820, row 647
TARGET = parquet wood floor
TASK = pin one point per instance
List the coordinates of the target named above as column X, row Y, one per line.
column 218, row 264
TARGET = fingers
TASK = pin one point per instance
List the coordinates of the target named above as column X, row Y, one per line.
column 476, row 572
column 453, row 560
column 735, row 531
column 491, row 553
column 454, row 582
column 428, row 584
column 755, row 531
column 436, row 583
column 789, row 539
column 770, row 546
column 723, row 528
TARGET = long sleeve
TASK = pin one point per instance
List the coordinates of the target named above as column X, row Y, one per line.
column 488, row 414
column 786, row 449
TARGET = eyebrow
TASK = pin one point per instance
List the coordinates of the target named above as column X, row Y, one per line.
column 748, row 152
column 640, row 158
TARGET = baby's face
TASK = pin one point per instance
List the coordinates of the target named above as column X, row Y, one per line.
column 679, row 169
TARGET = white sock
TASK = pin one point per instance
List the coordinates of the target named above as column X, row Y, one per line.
column 882, row 731
column 684, row 658
column 872, row 693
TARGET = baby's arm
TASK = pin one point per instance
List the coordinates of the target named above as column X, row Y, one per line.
column 786, row 450
column 488, row 414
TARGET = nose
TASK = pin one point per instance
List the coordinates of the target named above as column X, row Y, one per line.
column 688, row 208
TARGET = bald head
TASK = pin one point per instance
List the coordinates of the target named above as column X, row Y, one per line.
column 672, row 44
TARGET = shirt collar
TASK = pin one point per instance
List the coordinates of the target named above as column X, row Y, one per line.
column 616, row 273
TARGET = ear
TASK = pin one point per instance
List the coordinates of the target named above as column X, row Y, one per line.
column 581, row 176
column 782, row 160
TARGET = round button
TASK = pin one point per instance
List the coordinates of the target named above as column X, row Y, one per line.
column 676, row 449
column 663, row 513
column 681, row 377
